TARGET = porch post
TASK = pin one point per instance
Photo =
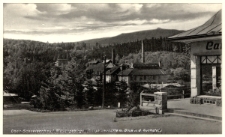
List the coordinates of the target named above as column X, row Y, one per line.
column 213, row 77
column 195, row 75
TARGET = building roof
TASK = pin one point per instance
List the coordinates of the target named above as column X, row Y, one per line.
column 94, row 62
column 125, row 72
column 97, row 67
column 112, row 70
column 213, row 27
column 147, row 72
column 110, row 65
column 142, row 72
column 107, row 61
column 6, row 94
column 146, row 66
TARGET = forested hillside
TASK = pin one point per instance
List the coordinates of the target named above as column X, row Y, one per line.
column 153, row 45
column 29, row 65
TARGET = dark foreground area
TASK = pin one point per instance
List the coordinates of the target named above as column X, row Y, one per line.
column 101, row 122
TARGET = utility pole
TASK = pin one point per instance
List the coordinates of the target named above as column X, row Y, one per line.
column 104, row 83
column 122, row 72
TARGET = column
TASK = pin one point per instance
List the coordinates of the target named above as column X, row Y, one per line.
column 195, row 75
column 213, row 77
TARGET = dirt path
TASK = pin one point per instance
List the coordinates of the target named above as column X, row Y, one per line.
column 18, row 112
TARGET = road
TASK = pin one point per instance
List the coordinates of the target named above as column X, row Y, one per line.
column 100, row 121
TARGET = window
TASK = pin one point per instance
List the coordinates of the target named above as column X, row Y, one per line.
column 154, row 77
column 211, row 75
column 149, row 77
column 211, row 80
column 210, row 59
column 144, row 77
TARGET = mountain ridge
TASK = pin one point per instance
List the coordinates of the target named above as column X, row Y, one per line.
column 133, row 36
column 123, row 37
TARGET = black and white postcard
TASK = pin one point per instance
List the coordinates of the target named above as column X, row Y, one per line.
column 112, row 68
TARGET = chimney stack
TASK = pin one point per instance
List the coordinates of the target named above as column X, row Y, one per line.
column 143, row 52
column 113, row 56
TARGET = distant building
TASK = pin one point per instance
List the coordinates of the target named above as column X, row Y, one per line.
column 125, row 75
column 95, row 71
column 110, row 65
column 10, row 98
column 107, row 61
column 111, row 75
column 93, row 62
column 143, row 74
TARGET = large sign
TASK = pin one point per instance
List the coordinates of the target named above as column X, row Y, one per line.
column 213, row 45
column 207, row 47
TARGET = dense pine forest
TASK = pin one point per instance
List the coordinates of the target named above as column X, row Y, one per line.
column 152, row 45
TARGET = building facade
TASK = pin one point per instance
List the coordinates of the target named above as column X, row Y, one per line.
column 111, row 75
column 143, row 74
column 206, row 52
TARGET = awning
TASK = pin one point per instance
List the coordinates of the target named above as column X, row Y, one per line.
column 211, row 28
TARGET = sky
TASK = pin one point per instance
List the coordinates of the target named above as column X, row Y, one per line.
column 71, row 22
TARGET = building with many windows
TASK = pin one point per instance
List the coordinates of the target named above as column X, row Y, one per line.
column 143, row 74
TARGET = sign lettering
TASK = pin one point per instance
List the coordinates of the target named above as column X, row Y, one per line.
column 213, row 46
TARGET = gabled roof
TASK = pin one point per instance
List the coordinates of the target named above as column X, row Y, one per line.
column 147, row 72
column 125, row 72
column 213, row 27
column 112, row 70
column 110, row 65
column 107, row 61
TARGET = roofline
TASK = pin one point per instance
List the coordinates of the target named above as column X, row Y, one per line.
column 188, row 39
column 123, row 74
column 149, row 75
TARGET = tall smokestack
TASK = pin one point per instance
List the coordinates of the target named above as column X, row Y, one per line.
column 143, row 52
column 113, row 56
